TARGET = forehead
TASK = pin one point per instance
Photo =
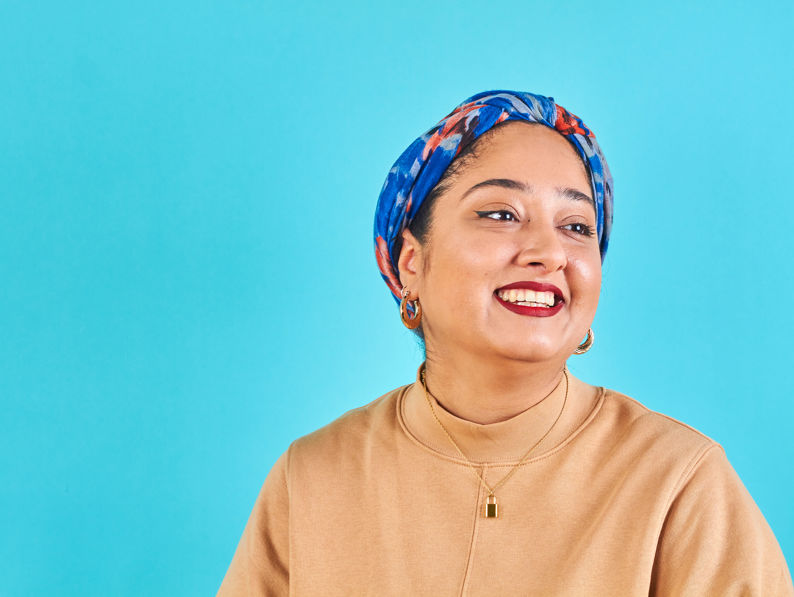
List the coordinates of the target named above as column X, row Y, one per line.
column 533, row 153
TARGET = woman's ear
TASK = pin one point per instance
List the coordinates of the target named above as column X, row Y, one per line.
column 410, row 263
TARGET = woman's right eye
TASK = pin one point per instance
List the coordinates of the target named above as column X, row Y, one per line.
column 499, row 215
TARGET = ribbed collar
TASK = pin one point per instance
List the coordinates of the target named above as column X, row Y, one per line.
column 504, row 442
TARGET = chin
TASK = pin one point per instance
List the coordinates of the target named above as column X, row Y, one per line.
column 527, row 349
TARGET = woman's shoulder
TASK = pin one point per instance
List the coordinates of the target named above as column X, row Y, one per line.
column 629, row 422
column 353, row 430
column 633, row 411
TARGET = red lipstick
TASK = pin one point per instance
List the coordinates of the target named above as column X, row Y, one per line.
column 532, row 311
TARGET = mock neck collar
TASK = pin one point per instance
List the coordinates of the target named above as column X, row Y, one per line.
column 504, row 442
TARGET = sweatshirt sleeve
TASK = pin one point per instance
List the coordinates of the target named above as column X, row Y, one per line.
column 715, row 541
column 260, row 566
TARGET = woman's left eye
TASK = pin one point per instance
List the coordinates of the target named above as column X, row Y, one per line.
column 580, row 228
column 499, row 215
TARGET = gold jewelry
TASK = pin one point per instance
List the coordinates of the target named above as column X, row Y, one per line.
column 490, row 509
column 410, row 322
column 588, row 342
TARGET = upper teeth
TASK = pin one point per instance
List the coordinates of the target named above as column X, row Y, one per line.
column 523, row 295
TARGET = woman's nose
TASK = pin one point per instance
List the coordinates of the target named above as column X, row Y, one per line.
column 541, row 246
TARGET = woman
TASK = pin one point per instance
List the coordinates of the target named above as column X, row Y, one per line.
column 497, row 472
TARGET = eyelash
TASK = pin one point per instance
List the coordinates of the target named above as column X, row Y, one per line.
column 583, row 229
column 488, row 214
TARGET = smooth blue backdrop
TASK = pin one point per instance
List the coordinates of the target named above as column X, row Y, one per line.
column 187, row 279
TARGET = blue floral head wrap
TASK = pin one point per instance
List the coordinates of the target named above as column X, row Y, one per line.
column 422, row 165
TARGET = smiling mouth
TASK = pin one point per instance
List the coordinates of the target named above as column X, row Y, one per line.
column 531, row 298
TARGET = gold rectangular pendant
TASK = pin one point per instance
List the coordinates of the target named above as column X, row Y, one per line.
column 490, row 507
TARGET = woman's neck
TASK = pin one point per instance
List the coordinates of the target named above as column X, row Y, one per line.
column 486, row 391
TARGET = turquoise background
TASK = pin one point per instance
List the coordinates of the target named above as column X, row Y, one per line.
column 187, row 278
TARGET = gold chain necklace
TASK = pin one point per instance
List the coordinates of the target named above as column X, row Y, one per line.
column 490, row 506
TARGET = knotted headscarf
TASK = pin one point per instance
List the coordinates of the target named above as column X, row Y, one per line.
column 422, row 165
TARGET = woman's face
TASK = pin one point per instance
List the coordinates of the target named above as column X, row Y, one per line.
column 511, row 267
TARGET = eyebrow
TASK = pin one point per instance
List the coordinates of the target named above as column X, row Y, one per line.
column 515, row 185
column 505, row 183
column 575, row 195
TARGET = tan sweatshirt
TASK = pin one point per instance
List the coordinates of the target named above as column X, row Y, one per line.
column 617, row 500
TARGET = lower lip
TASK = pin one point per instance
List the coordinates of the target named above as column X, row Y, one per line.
column 531, row 311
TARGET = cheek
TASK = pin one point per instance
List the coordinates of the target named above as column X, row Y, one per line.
column 585, row 279
column 464, row 270
column 471, row 260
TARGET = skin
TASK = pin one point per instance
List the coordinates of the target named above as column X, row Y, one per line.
column 485, row 363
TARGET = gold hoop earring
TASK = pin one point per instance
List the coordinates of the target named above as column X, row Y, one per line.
column 588, row 342
column 410, row 322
